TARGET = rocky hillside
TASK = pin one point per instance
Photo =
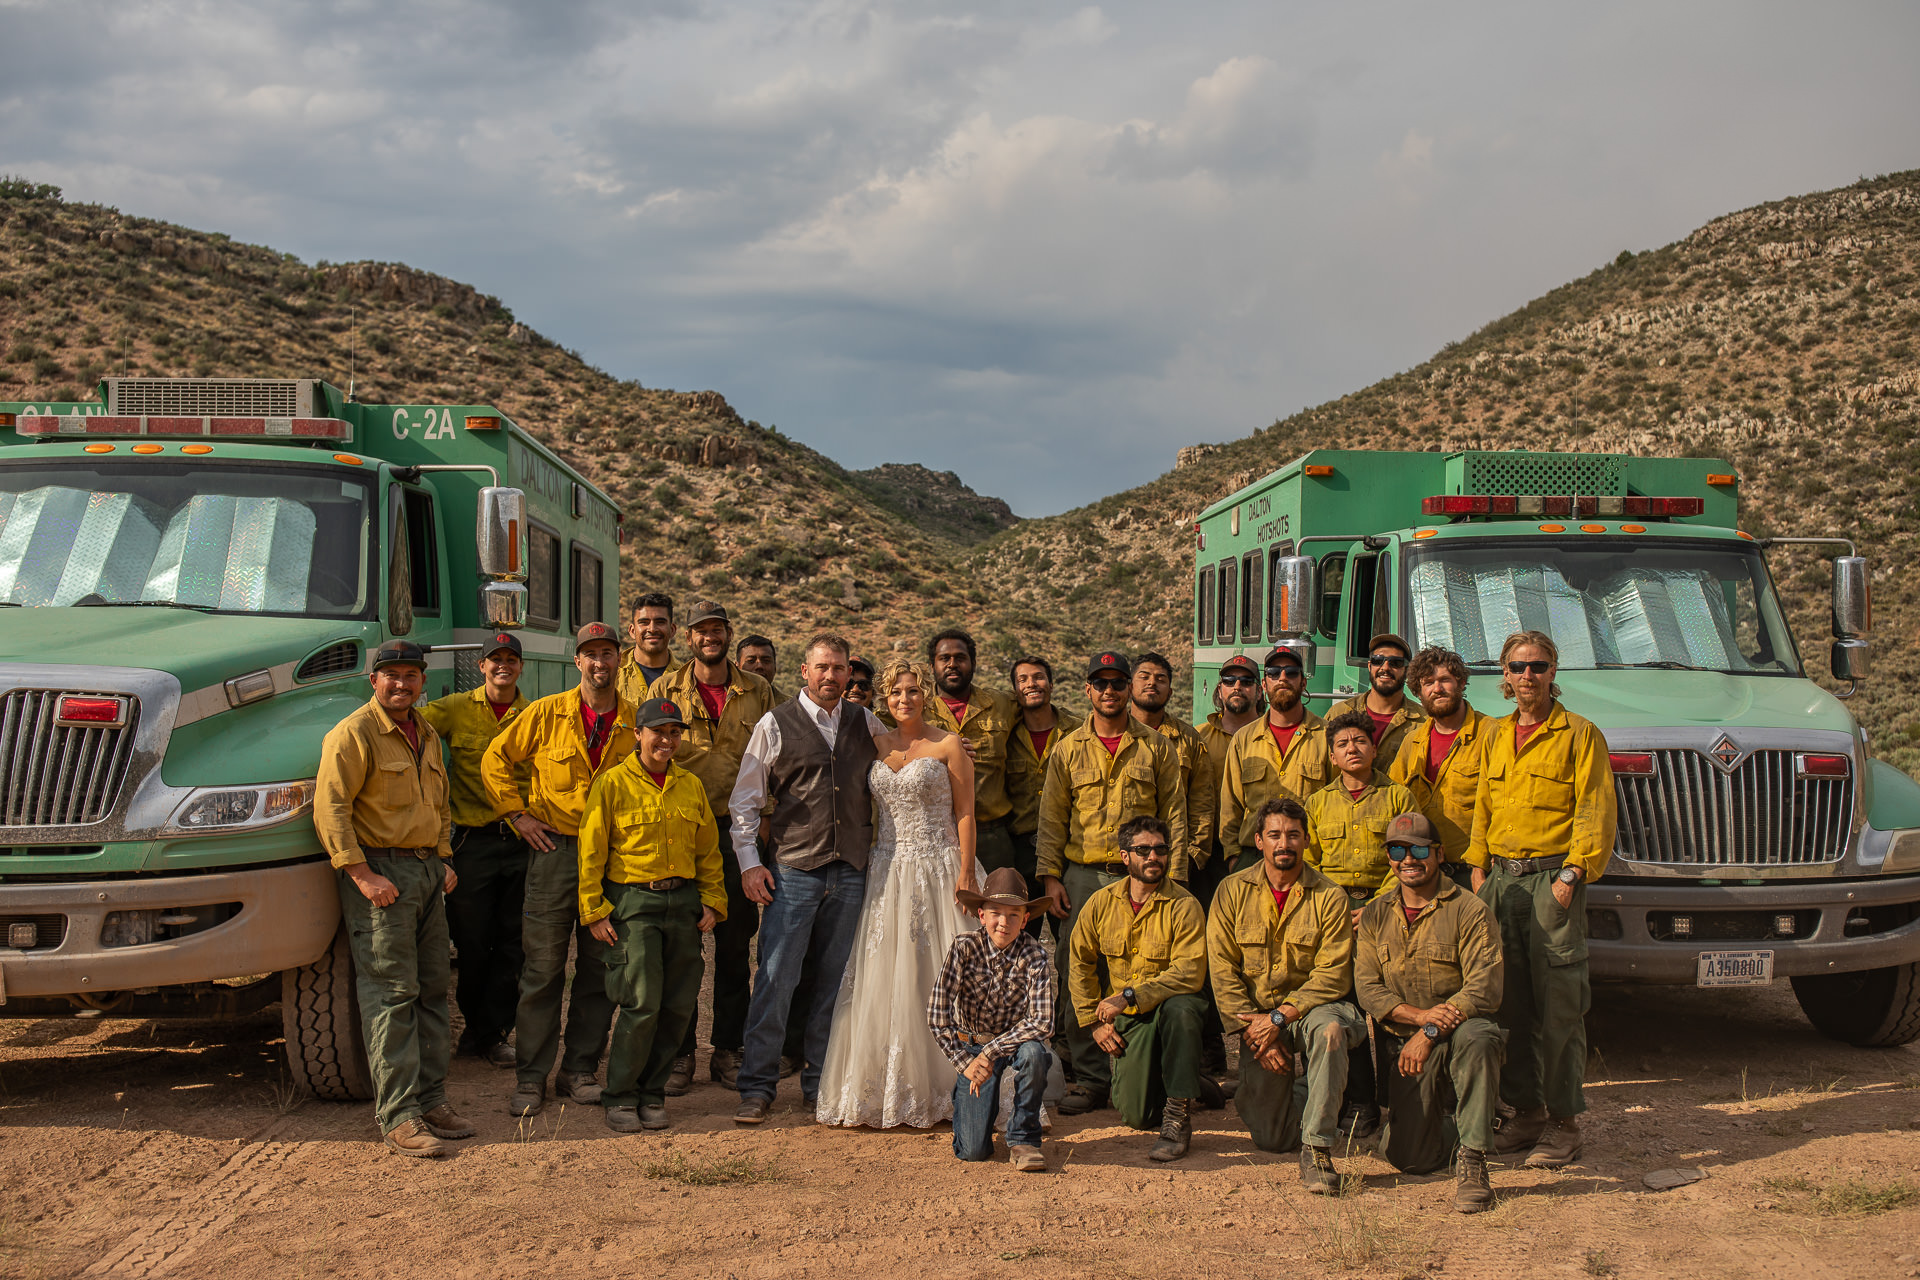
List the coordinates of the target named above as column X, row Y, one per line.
column 1782, row 337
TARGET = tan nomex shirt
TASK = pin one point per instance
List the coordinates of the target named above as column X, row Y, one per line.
column 1196, row 778
column 1408, row 718
column 1026, row 772
column 1256, row 773
column 373, row 789
column 1450, row 952
column 550, row 734
column 1261, row 958
column 711, row 749
column 1555, row 796
column 1159, row 950
column 1088, row 795
column 1347, row 834
column 467, row 725
column 1447, row 801
column 989, row 717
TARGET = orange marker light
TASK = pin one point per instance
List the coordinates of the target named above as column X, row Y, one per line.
column 1633, row 528
column 1743, row 533
column 1720, row 479
column 1318, row 470
column 6, row 419
column 146, row 448
column 196, row 448
column 1553, row 528
column 1593, row 528
column 483, row 424
column 99, row 448
column 347, row 458
column 1424, row 533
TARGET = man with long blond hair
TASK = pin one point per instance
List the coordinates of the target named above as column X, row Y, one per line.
column 1543, row 826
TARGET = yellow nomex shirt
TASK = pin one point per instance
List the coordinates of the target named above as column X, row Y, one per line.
column 1554, row 796
column 1261, row 959
column 1196, row 776
column 1256, row 773
column 373, row 790
column 1088, row 796
column 1447, row 801
column 1026, row 772
column 549, row 734
column 711, row 749
column 1159, row 950
column 467, row 725
column 636, row 832
column 1347, row 834
column 988, row 718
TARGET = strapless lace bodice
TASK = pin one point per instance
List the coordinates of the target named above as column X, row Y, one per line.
column 914, row 808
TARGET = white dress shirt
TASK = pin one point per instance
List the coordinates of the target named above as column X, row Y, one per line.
column 763, row 748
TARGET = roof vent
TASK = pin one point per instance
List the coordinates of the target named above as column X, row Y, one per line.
column 213, row 397
column 334, row 660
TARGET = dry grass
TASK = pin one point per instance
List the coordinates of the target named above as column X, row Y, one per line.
column 713, row 1171
column 1846, row 1198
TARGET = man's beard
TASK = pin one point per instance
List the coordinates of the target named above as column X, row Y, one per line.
column 1286, row 700
column 1388, row 685
column 1237, row 704
column 953, row 684
column 1442, row 705
column 1144, row 702
column 1286, row 859
column 1149, row 874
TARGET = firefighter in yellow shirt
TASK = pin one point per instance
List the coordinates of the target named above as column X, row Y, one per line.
column 1439, row 761
column 1281, row 756
column 1392, row 714
column 1038, row 729
column 1543, row 828
column 1152, row 690
column 649, row 886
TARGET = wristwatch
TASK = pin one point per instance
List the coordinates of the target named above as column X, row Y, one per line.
column 1431, row 1031
column 1127, row 994
column 1278, row 1018
column 1570, row 875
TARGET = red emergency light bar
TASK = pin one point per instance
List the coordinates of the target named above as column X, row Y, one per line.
column 1462, row 504
column 94, row 424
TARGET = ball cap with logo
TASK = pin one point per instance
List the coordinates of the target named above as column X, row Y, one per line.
column 399, row 653
column 656, row 712
column 595, row 631
column 708, row 611
column 1240, row 662
column 1410, row 828
column 1279, row 655
column 1109, row 660
column 501, row 640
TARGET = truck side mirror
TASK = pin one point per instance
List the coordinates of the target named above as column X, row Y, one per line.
column 1851, row 664
column 500, row 532
column 1852, row 601
column 503, row 605
column 1296, row 598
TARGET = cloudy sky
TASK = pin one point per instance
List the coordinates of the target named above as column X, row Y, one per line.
column 1042, row 245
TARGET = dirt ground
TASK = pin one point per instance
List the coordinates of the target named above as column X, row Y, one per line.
column 149, row 1148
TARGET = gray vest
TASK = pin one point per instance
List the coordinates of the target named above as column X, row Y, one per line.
column 822, row 806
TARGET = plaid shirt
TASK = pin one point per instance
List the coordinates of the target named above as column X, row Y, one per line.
column 981, row 991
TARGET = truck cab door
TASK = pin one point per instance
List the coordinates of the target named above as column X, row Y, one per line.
column 416, row 601
column 1367, row 608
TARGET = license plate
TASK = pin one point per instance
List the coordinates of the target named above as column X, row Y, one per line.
column 1735, row 968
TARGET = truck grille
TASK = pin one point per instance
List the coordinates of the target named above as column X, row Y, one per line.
column 56, row 777
column 1759, row 814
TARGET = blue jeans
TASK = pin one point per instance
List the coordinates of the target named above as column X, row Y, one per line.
column 814, row 913
column 973, row 1116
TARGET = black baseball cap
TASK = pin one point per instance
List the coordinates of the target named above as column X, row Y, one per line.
column 708, row 611
column 503, row 640
column 399, row 653
column 1109, row 660
column 1281, row 653
column 861, row 665
column 655, row 712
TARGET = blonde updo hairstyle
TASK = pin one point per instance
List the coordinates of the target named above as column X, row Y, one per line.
column 903, row 666
column 1520, row 640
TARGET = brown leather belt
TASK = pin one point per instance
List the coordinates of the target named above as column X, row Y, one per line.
column 1107, row 868
column 385, row 851
column 1517, row 867
column 970, row 1038
column 663, row 886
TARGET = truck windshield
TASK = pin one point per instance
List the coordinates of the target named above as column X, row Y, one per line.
column 226, row 538
column 1607, row 602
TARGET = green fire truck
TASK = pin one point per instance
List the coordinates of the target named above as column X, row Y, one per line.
column 194, row 573
column 1758, row 838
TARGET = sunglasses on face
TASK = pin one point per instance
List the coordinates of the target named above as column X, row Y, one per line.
column 1108, row 684
column 1418, row 852
column 1284, row 673
column 1393, row 660
column 1537, row 668
column 1245, row 682
column 862, row 685
column 1143, row 850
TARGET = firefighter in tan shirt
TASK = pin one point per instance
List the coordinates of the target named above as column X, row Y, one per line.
column 1036, row 732
column 1385, row 703
column 381, row 812
column 1282, row 756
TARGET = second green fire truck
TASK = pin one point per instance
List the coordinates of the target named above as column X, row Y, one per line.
column 1758, row 837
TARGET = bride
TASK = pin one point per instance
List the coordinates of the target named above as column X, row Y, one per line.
column 883, row 1066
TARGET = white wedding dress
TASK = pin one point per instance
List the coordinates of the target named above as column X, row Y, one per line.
column 883, row 1066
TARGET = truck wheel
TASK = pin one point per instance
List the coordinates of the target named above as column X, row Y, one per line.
column 326, row 1052
column 1873, row 1008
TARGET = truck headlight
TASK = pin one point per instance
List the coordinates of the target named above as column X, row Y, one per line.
column 208, row 809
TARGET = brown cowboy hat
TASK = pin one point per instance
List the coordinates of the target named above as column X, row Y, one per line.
column 1005, row 888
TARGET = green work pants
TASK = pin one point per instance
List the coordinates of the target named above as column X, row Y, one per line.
column 402, row 972
column 1450, row 1103
column 552, row 920
column 653, row 981
column 1283, row 1110
column 483, row 917
column 1091, row 1066
column 1544, row 1008
column 1161, row 1060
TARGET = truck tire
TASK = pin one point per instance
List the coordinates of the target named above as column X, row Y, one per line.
column 326, row 1051
column 1874, row 1008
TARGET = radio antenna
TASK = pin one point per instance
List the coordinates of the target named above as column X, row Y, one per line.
column 353, row 349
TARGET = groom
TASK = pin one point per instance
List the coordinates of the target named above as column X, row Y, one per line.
column 810, row 758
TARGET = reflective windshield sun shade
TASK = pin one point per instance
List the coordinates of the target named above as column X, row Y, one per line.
column 248, row 554
column 59, row 545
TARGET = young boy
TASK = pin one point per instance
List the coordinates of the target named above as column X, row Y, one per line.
column 1349, row 815
column 992, row 1008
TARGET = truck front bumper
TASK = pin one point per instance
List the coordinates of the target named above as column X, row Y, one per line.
column 1644, row 949
column 286, row 918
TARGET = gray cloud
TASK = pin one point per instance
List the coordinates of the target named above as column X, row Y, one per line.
column 1041, row 244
